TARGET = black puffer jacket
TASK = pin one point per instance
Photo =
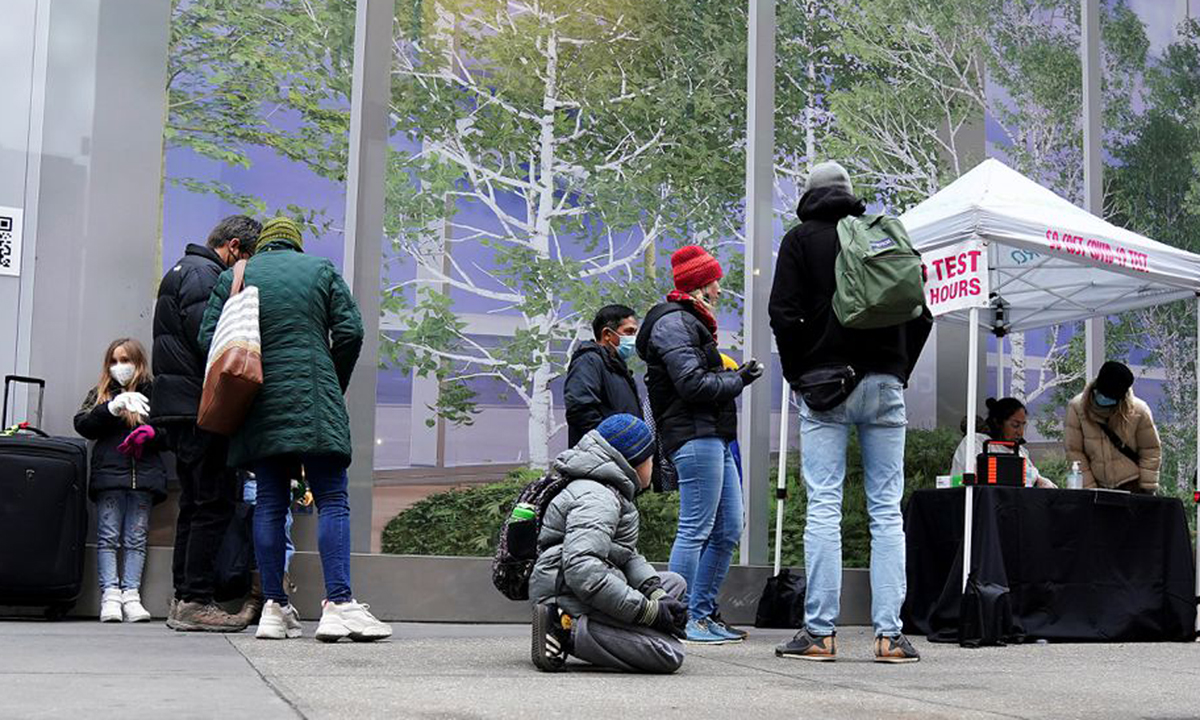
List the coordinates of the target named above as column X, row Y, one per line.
column 178, row 358
column 691, row 394
column 806, row 330
column 598, row 385
column 110, row 469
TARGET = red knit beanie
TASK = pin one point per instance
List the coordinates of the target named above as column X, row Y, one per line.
column 694, row 268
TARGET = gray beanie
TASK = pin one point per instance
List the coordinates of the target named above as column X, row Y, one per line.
column 829, row 174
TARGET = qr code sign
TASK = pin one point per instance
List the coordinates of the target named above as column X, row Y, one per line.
column 6, row 241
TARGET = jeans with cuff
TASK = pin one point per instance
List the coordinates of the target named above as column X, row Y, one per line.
column 710, row 520
column 876, row 408
column 122, row 520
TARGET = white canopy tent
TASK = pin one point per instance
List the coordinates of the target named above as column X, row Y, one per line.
column 1041, row 259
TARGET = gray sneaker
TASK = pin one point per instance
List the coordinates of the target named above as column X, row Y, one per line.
column 895, row 649
column 806, row 646
column 171, row 610
column 207, row 617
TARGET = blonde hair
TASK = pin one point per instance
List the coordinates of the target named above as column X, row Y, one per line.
column 141, row 374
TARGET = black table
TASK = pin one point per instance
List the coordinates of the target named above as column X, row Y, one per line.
column 1080, row 565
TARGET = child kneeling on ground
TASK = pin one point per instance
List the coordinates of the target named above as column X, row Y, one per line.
column 594, row 597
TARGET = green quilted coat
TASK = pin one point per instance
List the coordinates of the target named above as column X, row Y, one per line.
column 311, row 335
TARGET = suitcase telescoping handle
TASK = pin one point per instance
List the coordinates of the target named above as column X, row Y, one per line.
column 9, row 381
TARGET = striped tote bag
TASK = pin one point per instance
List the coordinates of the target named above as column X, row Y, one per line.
column 233, row 374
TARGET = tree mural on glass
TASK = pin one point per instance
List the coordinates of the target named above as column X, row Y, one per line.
column 244, row 75
column 554, row 146
column 1158, row 167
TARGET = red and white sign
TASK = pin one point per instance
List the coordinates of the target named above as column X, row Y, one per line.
column 956, row 277
column 1098, row 250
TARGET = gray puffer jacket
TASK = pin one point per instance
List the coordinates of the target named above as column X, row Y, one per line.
column 587, row 550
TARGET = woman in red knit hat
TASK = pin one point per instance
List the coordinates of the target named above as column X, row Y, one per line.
column 693, row 400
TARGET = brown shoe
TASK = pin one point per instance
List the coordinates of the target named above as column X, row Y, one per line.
column 207, row 617
column 253, row 606
column 251, row 610
column 806, row 646
column 895, row 650
column 171, row 610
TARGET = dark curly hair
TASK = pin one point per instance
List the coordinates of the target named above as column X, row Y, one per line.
column 999, row 411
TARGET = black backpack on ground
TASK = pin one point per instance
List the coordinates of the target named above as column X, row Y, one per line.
column 517, row 550
column 782, row 602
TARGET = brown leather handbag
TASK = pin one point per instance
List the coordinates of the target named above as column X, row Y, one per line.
column 234, row 373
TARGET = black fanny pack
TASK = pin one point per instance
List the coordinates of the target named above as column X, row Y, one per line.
column 825, row 388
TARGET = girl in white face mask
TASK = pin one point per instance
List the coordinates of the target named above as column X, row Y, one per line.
column 127, row 475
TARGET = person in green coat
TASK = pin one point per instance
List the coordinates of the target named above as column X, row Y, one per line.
column 311, row 337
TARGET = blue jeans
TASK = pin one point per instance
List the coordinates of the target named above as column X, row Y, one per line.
column 122, row 519
column 326, row 477
column 876, row 408
column 250, row 497
column 710, row 520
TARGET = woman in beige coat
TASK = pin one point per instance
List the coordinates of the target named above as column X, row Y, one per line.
column 1111, row 434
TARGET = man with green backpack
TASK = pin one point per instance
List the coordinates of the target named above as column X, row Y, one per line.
column 847, row 309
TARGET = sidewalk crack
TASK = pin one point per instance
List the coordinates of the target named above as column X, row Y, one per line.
column 267, row 681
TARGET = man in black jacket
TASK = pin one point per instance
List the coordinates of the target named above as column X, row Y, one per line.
column 810, row 337
column 208, row 488
column 599, row 383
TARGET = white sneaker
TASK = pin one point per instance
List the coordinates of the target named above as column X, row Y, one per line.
column 352, row 620
column 131, row 606
column 278, row 622
column 110, row 606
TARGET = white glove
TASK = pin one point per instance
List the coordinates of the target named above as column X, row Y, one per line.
column 134, row 402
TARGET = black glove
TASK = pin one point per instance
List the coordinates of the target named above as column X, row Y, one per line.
column 672, row 617
column 652, row 588
column 750, row 371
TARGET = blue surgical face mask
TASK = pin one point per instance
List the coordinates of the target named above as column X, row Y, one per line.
column 628, row 347
column 1103, row 400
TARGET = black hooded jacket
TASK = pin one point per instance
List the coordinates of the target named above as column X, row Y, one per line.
column 178, row 359
column 111, row 470
column 807, row 332
column 692, row 395
column 598, row 385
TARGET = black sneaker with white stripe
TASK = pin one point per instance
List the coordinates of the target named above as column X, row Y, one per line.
column 551, row 637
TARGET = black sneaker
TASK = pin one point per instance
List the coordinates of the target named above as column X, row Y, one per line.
column 715, row 619
column 895, row 650
column 806, row 646
column 551, row 637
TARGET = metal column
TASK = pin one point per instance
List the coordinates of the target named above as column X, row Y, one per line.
column 760, row 192
column 365, row 172
column 1093, row 160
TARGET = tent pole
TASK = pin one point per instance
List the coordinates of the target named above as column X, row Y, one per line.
column 1196, row 478
column 972, row 401
column 999, row 366
column 781, row 478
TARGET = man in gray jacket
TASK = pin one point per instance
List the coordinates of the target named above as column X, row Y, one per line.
column 593, row 595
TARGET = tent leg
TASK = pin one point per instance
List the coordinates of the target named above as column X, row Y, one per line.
column 781, row 480
column 1000, row 367
column 972, row 401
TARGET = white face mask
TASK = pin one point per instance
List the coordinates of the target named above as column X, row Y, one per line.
column 122, row 373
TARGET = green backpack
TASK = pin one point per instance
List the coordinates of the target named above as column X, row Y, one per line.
column 880, row 281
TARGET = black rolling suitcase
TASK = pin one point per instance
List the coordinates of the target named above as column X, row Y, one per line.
column 43, row 513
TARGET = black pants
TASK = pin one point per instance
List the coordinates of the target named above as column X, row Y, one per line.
column 208, row 491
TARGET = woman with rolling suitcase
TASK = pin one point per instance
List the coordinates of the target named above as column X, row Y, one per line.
column 127, row 475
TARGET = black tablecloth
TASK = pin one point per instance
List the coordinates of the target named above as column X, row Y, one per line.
column 1079, row 564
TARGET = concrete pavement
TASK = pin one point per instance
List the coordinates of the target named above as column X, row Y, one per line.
column 461, row 671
